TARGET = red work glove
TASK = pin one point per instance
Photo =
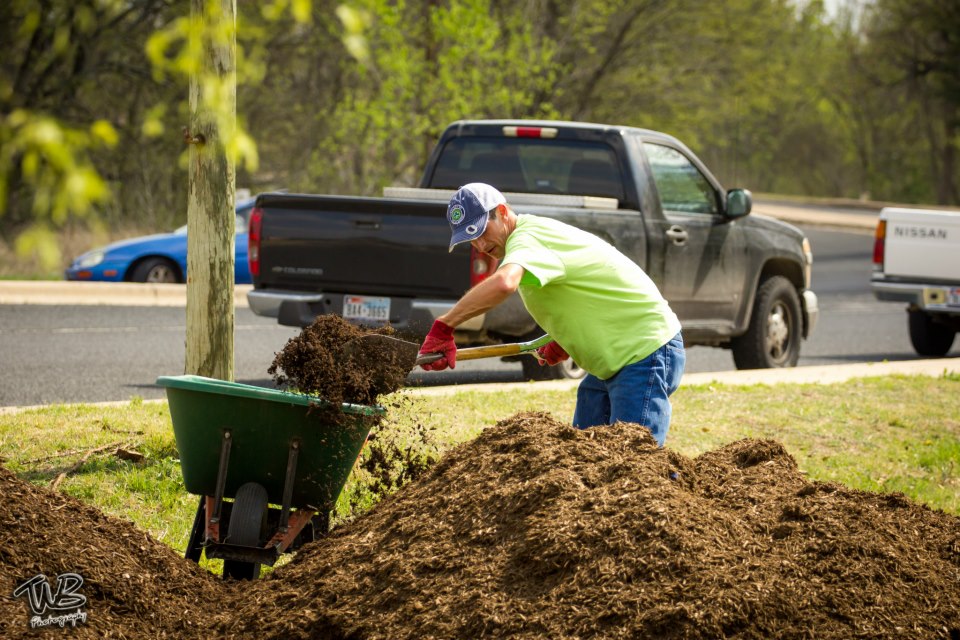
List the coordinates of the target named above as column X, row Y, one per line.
column 551, row 353
column 440, row 339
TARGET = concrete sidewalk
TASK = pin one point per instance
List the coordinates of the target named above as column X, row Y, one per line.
column 796, row 375
column 828, row 374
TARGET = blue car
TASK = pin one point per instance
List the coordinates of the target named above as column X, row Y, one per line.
column 157, row 258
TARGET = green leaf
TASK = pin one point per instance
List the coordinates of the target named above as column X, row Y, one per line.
column 104, row 131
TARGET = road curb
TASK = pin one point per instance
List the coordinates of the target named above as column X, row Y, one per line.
column 127, row 294
column 798, row 215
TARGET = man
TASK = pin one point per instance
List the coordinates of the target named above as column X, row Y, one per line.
column 597, row 305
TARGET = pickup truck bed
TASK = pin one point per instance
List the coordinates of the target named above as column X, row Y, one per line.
column 916, row 260
column 736, row 280
column 355, row 248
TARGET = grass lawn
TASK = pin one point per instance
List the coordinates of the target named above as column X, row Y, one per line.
column 886, row 434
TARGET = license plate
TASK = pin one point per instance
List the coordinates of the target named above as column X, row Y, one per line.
column 941, row 296
column 366, row 308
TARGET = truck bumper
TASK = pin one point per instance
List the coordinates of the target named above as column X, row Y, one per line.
column 411, row 317
column 931, row 298
column 811, row 312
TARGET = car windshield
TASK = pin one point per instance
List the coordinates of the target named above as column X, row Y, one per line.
column 530, row 165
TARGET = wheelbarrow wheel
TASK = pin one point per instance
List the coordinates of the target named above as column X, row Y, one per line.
column 248, row 520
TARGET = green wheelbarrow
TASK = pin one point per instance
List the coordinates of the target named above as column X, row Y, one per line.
column 266, row 466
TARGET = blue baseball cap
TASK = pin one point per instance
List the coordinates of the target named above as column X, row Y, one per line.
column 468, row 210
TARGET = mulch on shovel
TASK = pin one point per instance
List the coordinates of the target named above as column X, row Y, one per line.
column 317, row 361
column 533, row 530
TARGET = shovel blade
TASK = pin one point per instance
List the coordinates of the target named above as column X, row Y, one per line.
column 374, row 347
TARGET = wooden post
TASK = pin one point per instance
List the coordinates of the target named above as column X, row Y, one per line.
column 210, row 204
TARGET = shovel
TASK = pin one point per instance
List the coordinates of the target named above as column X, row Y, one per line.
column 405, row 354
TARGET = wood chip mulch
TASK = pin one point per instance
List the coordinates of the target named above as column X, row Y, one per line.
column 537, row 530
column 533, row 530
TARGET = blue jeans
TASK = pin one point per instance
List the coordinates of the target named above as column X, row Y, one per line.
column 640, row 392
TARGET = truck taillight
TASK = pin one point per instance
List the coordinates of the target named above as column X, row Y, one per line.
column 530, row 132
column 481, row 266
column 253, row 240
column 878, row 240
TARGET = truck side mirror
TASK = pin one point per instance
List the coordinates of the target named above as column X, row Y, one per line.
column 739, row 203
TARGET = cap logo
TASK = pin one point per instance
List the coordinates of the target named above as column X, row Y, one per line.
column 456, row 214
column 472, row 229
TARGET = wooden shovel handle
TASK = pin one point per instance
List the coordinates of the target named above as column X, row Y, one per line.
column 492, row 351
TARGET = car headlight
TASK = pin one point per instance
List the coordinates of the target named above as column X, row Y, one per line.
column 91, row 259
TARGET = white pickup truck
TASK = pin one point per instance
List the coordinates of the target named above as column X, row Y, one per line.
column 916, row 259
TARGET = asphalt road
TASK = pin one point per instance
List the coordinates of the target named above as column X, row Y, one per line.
column 67, row 354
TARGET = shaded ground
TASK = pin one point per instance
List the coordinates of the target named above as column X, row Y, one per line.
column 536, row 530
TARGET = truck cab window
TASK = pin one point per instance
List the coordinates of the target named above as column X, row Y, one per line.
column 680, row 184
column 530, row 165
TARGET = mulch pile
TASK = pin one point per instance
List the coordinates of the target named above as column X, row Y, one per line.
column 135, row 586
column 537, row 530
column 534, row 530
column 328, row 359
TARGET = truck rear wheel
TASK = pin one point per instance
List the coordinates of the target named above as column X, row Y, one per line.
column 773, row 338
column 929, row 337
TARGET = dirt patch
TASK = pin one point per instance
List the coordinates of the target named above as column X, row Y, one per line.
column 319, row 361
column 538, row 530
column 533, row 530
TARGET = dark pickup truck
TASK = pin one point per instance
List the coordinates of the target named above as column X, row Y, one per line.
column 735, row 280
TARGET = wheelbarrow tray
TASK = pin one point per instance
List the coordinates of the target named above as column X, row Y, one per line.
column 262, row 426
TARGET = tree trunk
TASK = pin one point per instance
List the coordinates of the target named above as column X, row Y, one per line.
column 210, row 209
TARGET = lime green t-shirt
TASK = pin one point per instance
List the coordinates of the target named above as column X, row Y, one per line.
column 593, row 300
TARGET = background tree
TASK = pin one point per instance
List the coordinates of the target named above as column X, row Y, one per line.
column 776, row 95
column 912, row 56
column 211, row 189
column 428, row 64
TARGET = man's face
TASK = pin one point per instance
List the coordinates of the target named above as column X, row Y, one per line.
column 493, row 242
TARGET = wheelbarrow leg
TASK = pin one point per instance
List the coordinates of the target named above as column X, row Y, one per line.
column 293, row 453
column 195, row 543
column 225, row 443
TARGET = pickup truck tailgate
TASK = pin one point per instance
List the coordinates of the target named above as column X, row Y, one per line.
column 921, row 244
column 370, row 246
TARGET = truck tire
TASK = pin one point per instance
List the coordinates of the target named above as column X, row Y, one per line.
column 929, row 337
column 156, row 270
column 248, row 520
column 566, row 370
column 773, row 338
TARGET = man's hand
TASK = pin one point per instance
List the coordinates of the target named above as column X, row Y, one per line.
column 551, row 353
column 440, row 340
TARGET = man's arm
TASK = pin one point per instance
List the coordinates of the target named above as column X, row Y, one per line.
column 485, row 296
